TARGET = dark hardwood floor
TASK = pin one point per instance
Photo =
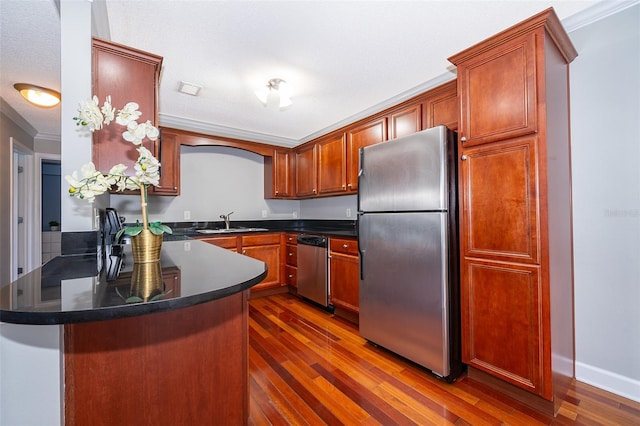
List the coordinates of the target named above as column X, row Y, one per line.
column 310, row 368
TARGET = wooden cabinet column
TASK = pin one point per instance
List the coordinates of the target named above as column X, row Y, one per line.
column 515, row 220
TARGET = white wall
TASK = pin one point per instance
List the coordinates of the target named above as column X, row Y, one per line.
column 214, row 180
column 605, row 115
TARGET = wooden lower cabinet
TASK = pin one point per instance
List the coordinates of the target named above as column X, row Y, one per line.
column 267, row 248
column 502, row 329
column 187, row 366
column 344, row 275
column 291, row 260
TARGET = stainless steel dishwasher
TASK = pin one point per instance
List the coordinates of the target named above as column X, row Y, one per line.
column 312, row 269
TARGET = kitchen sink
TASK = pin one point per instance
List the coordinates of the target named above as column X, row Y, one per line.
column 230, row 230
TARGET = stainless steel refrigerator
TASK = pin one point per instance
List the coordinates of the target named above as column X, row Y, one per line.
column 407, row 234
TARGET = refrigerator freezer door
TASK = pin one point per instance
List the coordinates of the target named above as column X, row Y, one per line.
column 405, row 174
column 403, row 287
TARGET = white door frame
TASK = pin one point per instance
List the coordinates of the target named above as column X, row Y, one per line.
column 23, row 249
column 37, row 208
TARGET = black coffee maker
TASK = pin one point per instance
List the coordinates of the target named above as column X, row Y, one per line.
column 112, row 224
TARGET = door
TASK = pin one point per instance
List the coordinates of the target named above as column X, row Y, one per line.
column 406, row 174
column 403, row 286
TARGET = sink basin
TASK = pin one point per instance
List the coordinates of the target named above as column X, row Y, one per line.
column 230, row 230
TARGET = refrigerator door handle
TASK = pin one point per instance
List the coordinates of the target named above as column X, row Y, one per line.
column 361, row 245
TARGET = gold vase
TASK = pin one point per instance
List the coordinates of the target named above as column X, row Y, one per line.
column 146, row 247
column 146, row 281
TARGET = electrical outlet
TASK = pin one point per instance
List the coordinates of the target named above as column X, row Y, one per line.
column 264, row 213
column 187, row 246
column 348, row 212
column 295, row 215
column 187, row 215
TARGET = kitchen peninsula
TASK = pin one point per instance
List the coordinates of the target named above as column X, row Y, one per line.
column 178, row 356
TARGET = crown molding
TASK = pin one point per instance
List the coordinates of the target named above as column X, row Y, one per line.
column 198, row 126
column 595, row 13
column 391, row 102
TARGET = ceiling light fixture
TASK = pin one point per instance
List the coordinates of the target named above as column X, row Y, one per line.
column 280, row 88
column 38, row 96
column 189, row 88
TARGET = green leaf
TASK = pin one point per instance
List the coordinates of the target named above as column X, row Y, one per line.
column 157, row 228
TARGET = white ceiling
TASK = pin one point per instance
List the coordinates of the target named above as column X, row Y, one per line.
column 343, row 59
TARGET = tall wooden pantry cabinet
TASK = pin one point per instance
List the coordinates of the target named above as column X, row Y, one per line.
column 515, row 199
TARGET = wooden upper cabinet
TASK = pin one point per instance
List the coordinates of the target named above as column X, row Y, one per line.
column 442, row 108
column 169, row 157
column 499, row 202
column 278, row 174
column 306, row 170
column 332, row 166
column 405, row 121
column 127, row 75
column 497, row 92
column 366, row 134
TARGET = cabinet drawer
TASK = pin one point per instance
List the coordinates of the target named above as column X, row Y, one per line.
column 260, row 239
column 291, row 238
column 344, row 245
column 291, row 254
column 224, row 242
column 291, row 276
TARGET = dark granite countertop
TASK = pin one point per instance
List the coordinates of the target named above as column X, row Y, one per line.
column 335, row 228
column 97, row 287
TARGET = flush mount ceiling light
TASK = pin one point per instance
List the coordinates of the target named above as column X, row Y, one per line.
column 279, row 89
column 38, row 96
column 189, row 88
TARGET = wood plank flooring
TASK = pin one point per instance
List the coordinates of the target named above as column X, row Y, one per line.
column 310, row 368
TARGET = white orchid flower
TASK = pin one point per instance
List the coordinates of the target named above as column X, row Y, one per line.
column 89, row 114
column 108, row 111
column 128, row 114
column 147, row 167
column 135, row 133
column 151, row 131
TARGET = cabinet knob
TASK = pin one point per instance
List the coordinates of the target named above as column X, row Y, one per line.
column 277, row 192
column 463, row 139
column 314, row 190
column 343, row 186
column 290, row 254
column 350, row 185
column 345, row 245
column 244, row 252
column 463, row 157
column 290, row 276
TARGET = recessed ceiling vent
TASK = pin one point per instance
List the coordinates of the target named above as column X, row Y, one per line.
column 189, row 88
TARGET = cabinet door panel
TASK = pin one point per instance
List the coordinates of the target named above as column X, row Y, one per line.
column 406, row 121
column 306, row 171
column 169, row 156
column 127, row 75
column 501, row 321
column 269, row 254
column 365, row 135
column 345, row 282
column 283, row 184
column 498, row 93
column 442, row 108
column 332, row 165
column 499, row 202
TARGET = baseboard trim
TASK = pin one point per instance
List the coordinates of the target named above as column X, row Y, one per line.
column 608, row 380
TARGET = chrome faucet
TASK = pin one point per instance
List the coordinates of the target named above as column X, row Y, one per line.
column 225, row 217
